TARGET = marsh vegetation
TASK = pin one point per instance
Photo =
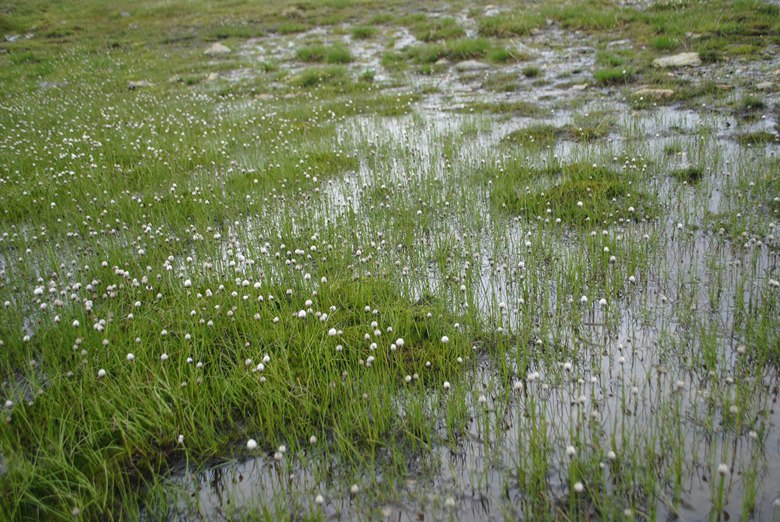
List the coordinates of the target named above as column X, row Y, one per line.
column 341, row 259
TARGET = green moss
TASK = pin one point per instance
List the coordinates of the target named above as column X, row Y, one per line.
column 538, row 135
column 583, row 129
column 580, row 195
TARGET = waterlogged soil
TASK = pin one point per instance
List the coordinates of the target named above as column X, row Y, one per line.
column 625, row 381
column 657, row 372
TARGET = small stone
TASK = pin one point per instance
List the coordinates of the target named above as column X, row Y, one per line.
column 619, row 43
column 51, row 85
column 678, row 60
column 765, row 86
column 472, row 65
column 217, row 49
column 140, row 84
column 654, row 93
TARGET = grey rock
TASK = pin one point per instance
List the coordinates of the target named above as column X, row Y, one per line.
column 654, row 93
column 472, row 65
column 678, row 60
column 51, row 85
column 217, row 49
column 140, row 84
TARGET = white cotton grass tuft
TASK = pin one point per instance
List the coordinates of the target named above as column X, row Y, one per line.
column 251, row 444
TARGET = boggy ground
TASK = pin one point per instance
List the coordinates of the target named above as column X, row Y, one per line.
column 351, row 260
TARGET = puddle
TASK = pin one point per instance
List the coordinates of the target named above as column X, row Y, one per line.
column 625, row 377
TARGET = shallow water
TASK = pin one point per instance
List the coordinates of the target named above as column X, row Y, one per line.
column 633, row 369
